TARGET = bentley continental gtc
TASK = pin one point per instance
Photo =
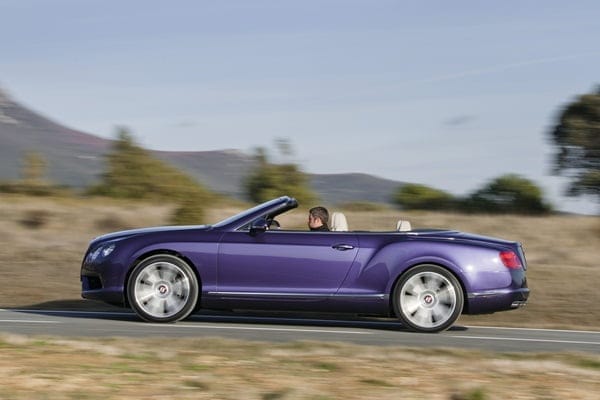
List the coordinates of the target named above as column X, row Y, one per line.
column 424, row 278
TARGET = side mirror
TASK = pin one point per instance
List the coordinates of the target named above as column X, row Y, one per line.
column 259, row 225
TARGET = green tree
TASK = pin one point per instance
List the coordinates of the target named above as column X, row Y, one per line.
column 508, row 193
column 132, row 172
column 577, row 139
column 414, row 196
column 269, row 180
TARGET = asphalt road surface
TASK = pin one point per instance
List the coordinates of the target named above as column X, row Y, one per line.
column 283, row 328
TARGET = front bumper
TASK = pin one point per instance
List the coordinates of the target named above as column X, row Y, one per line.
column 102, row 282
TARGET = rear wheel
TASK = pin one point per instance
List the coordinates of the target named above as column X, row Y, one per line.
column 162, row 288
column 428, row 298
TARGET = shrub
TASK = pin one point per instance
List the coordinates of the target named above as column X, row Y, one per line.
column 35, row 219
column 509, row 193
column 189, row 212
column 111, row 223
column 34, row 189
column 421, row 197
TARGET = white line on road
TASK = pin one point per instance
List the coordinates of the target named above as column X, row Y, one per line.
column 29, row 321
column 530, row 329
column 525, row 340
column 250, row 328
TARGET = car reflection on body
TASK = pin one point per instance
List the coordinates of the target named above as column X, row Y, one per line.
column 426, row 278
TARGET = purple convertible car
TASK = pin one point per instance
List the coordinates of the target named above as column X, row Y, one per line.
column 425, row 278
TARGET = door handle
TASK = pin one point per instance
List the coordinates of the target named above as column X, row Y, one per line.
column 342, row 247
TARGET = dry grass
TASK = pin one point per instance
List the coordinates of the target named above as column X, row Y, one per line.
column 41, row 261
column 228, row 369
column 42, row 243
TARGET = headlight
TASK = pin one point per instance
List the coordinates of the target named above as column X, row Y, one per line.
column 102, row 251
column 107, row 250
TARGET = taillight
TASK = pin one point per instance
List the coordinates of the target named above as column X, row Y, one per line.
column 510, row 259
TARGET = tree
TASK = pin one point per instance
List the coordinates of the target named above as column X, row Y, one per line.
column 420, row 197
column 577, row 138
column 133, row 173
column 508, row 193
column 34, row 168
column 269, row 180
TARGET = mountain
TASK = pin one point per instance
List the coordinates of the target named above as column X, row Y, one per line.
column 345, row 188
column 75, row 159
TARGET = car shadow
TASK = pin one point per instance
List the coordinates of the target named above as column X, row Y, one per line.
column 82, row 309
column 305, row 319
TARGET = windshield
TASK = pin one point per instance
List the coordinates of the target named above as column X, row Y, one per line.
column 246, row 213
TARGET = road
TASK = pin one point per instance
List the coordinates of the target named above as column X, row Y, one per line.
column 291, row 328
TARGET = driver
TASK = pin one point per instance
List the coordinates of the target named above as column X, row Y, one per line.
column 318, row 219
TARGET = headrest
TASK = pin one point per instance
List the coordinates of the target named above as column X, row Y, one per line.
column 403, row 226
column 338, row 222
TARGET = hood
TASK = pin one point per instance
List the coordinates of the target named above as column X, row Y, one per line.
column 144, row 231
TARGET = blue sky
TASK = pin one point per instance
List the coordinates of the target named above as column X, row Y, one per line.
column 449, row 94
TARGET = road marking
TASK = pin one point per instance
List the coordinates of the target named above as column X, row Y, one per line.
column 129, row 313
column 250, row 328
column 29, row 321
column 72, row 312
column 525, row 339
column 529, row 329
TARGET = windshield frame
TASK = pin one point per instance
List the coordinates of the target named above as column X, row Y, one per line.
column 280, row 204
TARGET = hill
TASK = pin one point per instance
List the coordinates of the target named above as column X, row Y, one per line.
column 75, row 159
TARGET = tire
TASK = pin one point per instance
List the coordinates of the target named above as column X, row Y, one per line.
column 428, row 298
column 163, row 288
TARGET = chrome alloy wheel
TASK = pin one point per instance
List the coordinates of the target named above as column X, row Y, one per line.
column 429, row 299
column 163, row 289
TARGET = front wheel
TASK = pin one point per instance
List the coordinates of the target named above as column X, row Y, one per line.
column 162, row 288
column 428, row 298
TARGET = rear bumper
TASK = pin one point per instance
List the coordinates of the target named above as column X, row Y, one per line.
column 496, row 300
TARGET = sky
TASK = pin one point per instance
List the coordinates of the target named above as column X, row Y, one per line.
column 451, row 94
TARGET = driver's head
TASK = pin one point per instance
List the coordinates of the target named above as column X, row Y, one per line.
column 318, row 217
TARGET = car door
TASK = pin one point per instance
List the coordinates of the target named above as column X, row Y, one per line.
column 287, row 263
